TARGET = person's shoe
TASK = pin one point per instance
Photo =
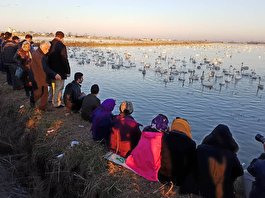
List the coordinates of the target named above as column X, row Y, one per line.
column 60, row 106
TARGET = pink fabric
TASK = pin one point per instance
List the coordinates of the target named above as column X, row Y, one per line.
column 145, row 159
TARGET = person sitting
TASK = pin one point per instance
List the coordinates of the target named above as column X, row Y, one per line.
column 73, row 96
column 255, row 180
column 145, row 158
column 90, row 103
column 217, row 164
column 102, row 120
column 125, row 133
column 178, row 153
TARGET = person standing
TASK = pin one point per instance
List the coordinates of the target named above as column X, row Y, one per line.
column 58, row 61
column 1, row 61
column 23, row 58
column 40, row 72
column 9, row 49
column 28, row 37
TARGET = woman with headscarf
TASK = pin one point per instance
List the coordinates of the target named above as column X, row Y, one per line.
column 217, row 164
column 102, row 120
column 125, row 133
column 178, row 153
column 23, row 58
column 145, row 159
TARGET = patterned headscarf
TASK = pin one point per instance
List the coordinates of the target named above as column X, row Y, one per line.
column 160, row 122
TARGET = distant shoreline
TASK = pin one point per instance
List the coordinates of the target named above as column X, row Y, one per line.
column 132, row 43
column 121, row 42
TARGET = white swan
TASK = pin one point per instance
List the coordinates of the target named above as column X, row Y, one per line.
column 260, row 86
column 207, row 83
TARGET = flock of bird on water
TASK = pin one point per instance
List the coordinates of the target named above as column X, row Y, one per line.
column 209, row 72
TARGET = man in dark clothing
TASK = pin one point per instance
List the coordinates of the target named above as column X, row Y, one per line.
column 9, row 49
column 28, row 37
column 257, row 170
column 58, row 61
column 1, row 61
column 40, row 72
column 73, row 96
column 90, row 103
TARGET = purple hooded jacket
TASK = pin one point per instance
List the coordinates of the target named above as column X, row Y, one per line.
column 102, row 119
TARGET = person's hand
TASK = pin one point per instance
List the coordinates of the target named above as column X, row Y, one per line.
column 30, row 84
column 58, row 77
column 68, row 75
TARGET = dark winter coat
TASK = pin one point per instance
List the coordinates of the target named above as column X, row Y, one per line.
column 178, row 157
column 89, row 104
column 72, row 96
column 9, row 49
column 217, row 164
column 57, row 58
column 257, row 170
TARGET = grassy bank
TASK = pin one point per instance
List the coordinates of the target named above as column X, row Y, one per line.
column 37, row 153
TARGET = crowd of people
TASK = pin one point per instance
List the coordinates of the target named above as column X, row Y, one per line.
column 160, row 152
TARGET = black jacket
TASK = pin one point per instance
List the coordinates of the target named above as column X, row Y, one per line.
column 257, row 170
column 72, row 96
column 57, row 58
column 217, row 164
column 89, row 104
column 178, row 157
column 9, row 49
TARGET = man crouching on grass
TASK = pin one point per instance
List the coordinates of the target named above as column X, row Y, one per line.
column 73, row 97
column 40, row 73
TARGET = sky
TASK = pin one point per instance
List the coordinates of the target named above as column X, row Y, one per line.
column 212, row 20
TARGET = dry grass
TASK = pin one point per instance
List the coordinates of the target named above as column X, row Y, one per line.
column 37, row 138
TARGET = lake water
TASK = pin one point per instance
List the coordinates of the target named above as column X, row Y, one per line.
column 238, row 103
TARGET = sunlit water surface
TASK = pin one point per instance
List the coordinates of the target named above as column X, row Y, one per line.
column 238, row 104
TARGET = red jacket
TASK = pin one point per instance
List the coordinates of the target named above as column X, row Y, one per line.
column 125, row 135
